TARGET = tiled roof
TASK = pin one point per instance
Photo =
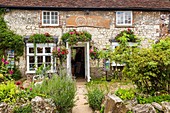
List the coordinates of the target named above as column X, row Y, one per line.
column 143, row 4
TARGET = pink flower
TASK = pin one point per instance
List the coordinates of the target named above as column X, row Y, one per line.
column 6, row 62
column 58, row 49
column 30, row 89
column 3, row 60
column 91, row 50
column 11, row 72
column 71, row 33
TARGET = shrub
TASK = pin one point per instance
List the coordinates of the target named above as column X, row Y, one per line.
column 23, row 109
column 150, row 99
column 126, row 34
column 125, row 94
column 95, row 97
column 149, row 68
column 8, row 92
column 61, row 89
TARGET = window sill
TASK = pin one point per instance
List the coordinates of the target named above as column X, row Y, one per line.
column 124, row 26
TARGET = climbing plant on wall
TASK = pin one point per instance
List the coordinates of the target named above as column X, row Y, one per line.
column 8, row 39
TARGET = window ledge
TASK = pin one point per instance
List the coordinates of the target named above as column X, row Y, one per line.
column 124, row 26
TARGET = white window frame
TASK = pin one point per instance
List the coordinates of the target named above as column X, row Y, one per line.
column 124, row 24
column 53, row 61
column 50, row 18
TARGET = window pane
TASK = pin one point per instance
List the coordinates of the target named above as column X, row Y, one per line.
column 48, row 59
column 48, row 13
column 31, row 50
column 48, row 50
column 127, row 17
column 120, row 17
column 39, row 50
column 31, row 59
column 52, row 13
column 40, row 59
column 53, row 22
column 48, row 21
column 56, row 13
column 31, row 67
column 44, row 17
column 45, row 21
column 44, row 13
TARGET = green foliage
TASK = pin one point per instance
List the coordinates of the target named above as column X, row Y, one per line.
column 9, row 40
column 73, row 36
column 17, row 74
column 126, row 35
column 95, row 98
column 94, row 53
column 61, row 89
column 8, row 92
column 23, row 109
column 150, row 99
column 41, row 38
column 149, row 68
column 125, row 94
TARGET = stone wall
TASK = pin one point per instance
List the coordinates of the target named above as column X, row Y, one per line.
column 114, row 104
column 27, row 22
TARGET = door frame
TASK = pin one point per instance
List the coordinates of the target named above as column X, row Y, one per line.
column 87, row 58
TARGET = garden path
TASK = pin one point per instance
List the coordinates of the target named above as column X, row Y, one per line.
column 81, row 104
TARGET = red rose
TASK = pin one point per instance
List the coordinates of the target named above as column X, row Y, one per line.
column 63, row 52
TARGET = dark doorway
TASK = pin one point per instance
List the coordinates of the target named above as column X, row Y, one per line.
column 78, row 62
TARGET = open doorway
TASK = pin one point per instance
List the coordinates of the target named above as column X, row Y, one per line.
column 78, row 62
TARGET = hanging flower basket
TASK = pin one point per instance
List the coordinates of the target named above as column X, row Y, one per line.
column 41, row 38
column 60, row 53
column 128, row 34
column 73, row 37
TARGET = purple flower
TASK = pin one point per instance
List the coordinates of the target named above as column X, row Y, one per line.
column 58, row 49
column 30, row 89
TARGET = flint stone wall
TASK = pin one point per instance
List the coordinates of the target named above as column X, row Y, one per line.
column 114, row 104
column 27, row 22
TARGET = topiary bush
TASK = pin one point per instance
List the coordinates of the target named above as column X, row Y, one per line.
column 61, row 89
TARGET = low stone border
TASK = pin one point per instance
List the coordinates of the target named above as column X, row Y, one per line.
column 116, row 105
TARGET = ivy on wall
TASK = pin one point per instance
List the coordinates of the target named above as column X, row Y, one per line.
column 8, row 39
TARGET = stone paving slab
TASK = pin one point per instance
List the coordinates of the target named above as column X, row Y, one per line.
column 81, row 104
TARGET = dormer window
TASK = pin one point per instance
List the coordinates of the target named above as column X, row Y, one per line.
column 124, row 18
column 50, row 18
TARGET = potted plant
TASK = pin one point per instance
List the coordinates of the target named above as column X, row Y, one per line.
column 60, row 53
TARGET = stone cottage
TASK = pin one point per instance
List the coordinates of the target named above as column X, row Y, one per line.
column 103, row 19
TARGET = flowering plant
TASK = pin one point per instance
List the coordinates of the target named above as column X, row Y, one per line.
column 61, row 53
column 41, row 38
column 73, row 36
column 128, row 34
column 5, row 72
column 94, row 53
